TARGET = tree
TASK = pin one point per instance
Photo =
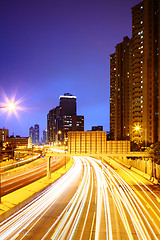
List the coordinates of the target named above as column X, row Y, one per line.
column 154, row 151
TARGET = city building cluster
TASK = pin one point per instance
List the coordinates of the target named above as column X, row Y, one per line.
column 134, row 89
column 34, row 134
column 62, row 119
column 135, row 78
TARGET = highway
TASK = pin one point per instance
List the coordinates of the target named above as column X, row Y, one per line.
column 20, row 162
column 23, row 178
column 91, row 201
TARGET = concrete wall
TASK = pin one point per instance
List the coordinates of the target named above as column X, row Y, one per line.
column 89, row 142
column 94, row 142
column 117, row 147
column 145, row 165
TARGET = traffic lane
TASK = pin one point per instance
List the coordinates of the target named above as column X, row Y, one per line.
column 64, row 225
column 27, row 177
column 116, row 205
column 146, row 191
column 109, row 224
column 50, row 201
column 86, row 226
column 19, row 162
column 40, row 226
column 141, row 196
column 112, row 192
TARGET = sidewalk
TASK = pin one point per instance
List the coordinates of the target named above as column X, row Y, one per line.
column 17, row 199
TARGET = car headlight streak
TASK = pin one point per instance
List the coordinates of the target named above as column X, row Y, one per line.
column 91, row 206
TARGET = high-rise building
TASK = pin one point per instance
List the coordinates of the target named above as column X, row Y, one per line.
column 146, row 70
column 62, row 119
column 53, row 125
column 119, row 91
column 112, row 94
column 32, row 134
column 144, row 77
column 67, row 106
column 45, row 136
column 36, row 128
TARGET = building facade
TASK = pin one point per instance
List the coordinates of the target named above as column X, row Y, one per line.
column 72, row 123
column 90, row 142
column 34, row 134
column 4, row 133
column 53, row 122
column 36, row 127
column 62, row 119
column 144, row 78
column 45, row 136
column 17, row 141
column 119, row 91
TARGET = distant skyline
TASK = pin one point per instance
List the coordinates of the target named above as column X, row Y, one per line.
column 51, row 47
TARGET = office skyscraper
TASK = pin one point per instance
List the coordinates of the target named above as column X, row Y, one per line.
column 32, row 134
column 67, row 106
column 36, row 128
column 62, row 119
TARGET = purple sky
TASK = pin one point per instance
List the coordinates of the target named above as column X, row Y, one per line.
column 50, row 47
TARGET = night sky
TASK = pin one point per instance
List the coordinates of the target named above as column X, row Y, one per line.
column 51, row 47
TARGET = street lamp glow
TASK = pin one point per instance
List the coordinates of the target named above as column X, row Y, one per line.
column 137, row 128
column 11, row 106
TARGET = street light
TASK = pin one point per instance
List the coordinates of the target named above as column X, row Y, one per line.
column 138, row 128
column 10, row 106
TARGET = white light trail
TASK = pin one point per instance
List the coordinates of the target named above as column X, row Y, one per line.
column 22, row 161
column 90, row 207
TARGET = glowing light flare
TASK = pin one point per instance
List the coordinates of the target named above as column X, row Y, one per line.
column 137, row 128
column 11, row 105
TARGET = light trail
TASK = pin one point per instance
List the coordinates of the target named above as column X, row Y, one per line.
column 101, row 202
column 10, row 228
column 37, row 155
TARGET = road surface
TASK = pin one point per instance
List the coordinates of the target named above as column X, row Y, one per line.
column 21, row 179
column 91, row 201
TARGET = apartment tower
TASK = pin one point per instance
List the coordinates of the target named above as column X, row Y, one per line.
column 144, row 77
column 119, row 91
